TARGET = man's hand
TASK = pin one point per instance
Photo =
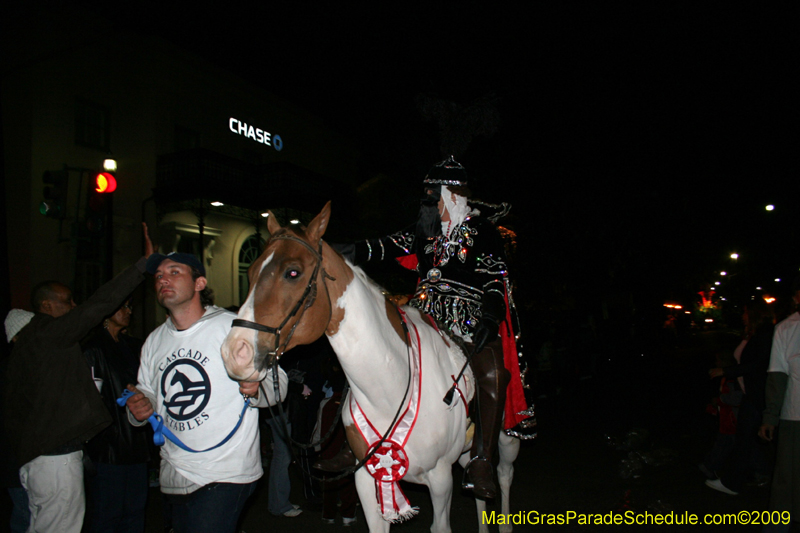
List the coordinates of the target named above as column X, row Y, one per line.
column 249, row 388
column 715, row 373
column 148, row 244
column 766, row 432
column 139, row 405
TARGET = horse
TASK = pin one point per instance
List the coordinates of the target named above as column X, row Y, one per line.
column 394, row 359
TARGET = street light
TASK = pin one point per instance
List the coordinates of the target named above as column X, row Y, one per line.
column 734, row 256
column 770, row 207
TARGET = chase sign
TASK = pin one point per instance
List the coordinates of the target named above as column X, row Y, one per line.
column 256, row 134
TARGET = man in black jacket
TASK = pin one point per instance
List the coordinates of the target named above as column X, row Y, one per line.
column 51, row 403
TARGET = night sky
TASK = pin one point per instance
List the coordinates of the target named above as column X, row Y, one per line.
column 638, row 142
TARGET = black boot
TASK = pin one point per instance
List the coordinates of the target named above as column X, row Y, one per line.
column 343, row 460
column 492, row 378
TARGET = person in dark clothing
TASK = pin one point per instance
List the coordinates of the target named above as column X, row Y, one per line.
column 752, row 368
column 51, row 402
column 20, row 514
column 725, row 406
column 118, row 490
column 339, row 495
column 304, row 365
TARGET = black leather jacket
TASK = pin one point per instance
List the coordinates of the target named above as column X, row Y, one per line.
column 117, row 363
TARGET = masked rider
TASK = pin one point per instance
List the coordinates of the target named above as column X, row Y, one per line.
column 460, row 262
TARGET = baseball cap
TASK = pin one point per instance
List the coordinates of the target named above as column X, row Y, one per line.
column 15, row 321
column 186, row 259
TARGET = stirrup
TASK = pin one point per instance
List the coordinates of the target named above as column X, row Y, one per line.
column 466, row 484
column 487, row 489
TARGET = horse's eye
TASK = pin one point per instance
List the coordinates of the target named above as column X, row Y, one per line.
column 292, row 274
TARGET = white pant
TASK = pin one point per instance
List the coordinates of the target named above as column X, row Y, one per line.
column 55, row 492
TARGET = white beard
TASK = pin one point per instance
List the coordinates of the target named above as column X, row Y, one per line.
column 457, row 209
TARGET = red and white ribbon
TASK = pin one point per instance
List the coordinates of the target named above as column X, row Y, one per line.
column 389, row 463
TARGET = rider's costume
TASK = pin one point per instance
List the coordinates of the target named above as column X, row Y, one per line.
column 464, row 285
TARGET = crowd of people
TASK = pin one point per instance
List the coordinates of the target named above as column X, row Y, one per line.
column 758, row 395
column 79, row 392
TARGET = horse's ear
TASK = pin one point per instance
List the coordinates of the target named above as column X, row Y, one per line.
column 272, row 224
column 316, row 228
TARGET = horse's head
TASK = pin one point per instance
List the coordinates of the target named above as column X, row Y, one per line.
column 288, row 303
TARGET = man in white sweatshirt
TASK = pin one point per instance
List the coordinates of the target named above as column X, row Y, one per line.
column 183, row 379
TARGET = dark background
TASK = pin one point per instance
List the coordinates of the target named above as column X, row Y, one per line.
column 637, row 142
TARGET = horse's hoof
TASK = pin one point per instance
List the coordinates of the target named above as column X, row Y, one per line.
column 481, row 479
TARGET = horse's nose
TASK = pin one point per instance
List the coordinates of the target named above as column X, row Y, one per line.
column 241, row 356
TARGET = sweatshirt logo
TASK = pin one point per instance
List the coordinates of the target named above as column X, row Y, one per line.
column 186, row 389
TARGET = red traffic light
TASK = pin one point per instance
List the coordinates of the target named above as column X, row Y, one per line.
column 105, row 182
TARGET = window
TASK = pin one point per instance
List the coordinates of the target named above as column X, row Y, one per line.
column 251, row 249
column 92, row 128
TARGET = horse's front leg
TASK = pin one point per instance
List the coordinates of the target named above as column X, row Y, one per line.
column 482, row 526
column 508, row 448
column 365, row 485
column 440, row 483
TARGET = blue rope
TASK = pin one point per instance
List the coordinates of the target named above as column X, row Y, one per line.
column 160, row 431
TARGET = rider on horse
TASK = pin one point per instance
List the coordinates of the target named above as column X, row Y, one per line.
column 463, row 285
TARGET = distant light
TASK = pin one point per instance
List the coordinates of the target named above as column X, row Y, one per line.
column 294, row 221
column 217, row 204
column 723, row 273
column 758, row 288
column 769, row 299
column 709, row 320
column 770, row 207
column 777, row 280
column 265, row 215
column 716, row 283
column 734, row 256
column 687, row 312
column 110, row 165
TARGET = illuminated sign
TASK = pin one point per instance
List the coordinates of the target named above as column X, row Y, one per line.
column 256, row 134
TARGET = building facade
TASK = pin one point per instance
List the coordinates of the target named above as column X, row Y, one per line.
column 201, row 156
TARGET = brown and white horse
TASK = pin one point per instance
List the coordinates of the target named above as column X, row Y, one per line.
column 301, row 289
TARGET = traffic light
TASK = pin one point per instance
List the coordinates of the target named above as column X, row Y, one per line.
column 55, row 194
column 99, row 198
column 105, row 182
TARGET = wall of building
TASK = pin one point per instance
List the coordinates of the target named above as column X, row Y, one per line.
column 157, row 96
